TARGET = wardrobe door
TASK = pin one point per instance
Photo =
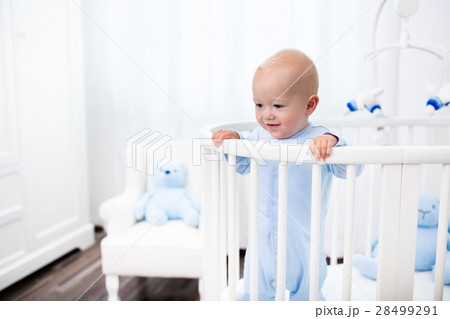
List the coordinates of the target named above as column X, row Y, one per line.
column 12, row 232
column 43, row 178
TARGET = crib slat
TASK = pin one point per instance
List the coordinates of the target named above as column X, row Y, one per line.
column 336, row 217
column 282, row 223
column 370, row 205
column 233, row 252
column 444, row 208
column 215, row 226
column 223, row 220
column 370, row 209
column 254, row 176
column 349, row 232
column 388, row 232
column 315, row 231
column 211, row 242
column 334, row 224
column 205, row 219
column 407, row 232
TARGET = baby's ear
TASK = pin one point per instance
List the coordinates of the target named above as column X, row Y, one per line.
column 313, row 100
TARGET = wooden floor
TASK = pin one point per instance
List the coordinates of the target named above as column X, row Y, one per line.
column 78, row 276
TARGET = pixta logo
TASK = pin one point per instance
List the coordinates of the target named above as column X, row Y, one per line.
column 203, row 149
column 148, row 148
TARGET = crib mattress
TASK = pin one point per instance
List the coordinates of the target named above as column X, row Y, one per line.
column 364, row 289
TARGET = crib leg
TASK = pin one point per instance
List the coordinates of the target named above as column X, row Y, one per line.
column 112, row 287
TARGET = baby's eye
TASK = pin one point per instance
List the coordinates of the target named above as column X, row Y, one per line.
column 278, row 106
column 258, row 105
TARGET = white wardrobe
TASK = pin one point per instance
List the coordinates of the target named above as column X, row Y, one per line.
column 43, row 177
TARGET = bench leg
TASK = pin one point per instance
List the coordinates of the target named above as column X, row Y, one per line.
column 112, row 287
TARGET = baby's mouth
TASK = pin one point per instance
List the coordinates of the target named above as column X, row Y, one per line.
column 272, row 126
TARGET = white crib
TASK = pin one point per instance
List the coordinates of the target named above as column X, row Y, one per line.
column 405, row 170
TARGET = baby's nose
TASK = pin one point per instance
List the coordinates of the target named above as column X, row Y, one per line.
column 268, row 114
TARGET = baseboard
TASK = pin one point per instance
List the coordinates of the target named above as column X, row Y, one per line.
column 82, row 237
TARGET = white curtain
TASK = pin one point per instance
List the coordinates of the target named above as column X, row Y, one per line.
column 174, row 66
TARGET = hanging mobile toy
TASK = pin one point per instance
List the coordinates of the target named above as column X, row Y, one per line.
column 366, row 100
column 438, row 99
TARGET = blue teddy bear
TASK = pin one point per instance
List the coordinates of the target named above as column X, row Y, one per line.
column 425, row 245
column 169, row 200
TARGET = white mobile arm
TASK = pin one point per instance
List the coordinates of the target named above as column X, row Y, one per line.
column 405, row 9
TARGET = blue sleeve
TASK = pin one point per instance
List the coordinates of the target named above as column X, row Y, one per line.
column 340, row 170
column 243, row 163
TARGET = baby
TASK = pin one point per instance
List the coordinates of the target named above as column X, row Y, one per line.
column 285, row 95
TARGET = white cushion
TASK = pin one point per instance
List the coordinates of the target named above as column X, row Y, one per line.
column 171, row 250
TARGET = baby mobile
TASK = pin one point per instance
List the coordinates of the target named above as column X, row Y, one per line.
column 439, row 96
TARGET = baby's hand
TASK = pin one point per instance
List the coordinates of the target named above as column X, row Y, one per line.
column 220, row 135
column 321, row 146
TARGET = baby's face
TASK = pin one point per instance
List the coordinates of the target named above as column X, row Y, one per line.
column 281, row 113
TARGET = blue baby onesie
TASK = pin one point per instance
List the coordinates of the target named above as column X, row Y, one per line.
column 298, row 220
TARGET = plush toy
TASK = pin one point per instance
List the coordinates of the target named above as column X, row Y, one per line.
column 169, row 200
column 425, row 245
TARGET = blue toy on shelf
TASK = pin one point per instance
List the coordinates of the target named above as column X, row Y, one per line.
column 426, row 242
column 169, row 199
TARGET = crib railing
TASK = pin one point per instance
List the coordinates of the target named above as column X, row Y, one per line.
column 403, row 132
column 397, row 226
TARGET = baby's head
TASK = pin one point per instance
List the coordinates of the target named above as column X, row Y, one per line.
column 285, row 93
